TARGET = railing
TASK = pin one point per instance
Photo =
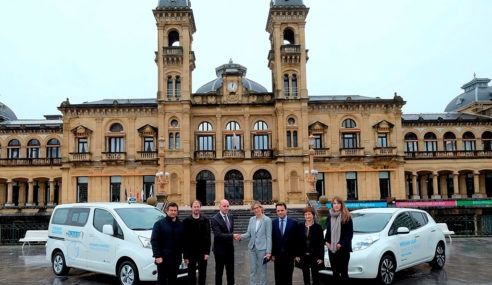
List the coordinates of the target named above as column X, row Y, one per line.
column 359, row 151
column 11, row 233
column 385, row 150
column 147, row 155
column 321, row 151
column 173, row 50
column 204, row 154
column 262, row 153
column 449, row 154
column 29, row 161
column 290, row 49
column 114, row 156
column 80, row 156
column 233, row 154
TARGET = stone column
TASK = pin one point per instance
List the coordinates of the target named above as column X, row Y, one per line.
column 248, row 191
column 22, row 194
column 415, row 194
column 42, row 194
column 456, row 186
column 476, row 185
column 3, row 193
column 9, row 193
column 219, row 191
column 30, row 193
column 423, row 187
column 247, row 135
column 483, row 189
column 219, row 137
column 463, row 191
column 436, row 194
column 444, row 186
column 52, row 193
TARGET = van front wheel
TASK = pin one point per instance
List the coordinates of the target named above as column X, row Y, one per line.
column 128, row 273
column 58, row 264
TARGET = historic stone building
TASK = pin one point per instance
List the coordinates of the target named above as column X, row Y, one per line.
column 233, row 139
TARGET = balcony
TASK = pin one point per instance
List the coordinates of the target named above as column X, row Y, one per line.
column 147, row 155
column 113, row 156
column 262, row 154
column 204, row 154
column 80, row 156
column 173, row 51
column 290, row 49
column 382, row 151
column 449, row 154
column 321, row 152
column 14, row 162
column 358, row 151
column 233, row 154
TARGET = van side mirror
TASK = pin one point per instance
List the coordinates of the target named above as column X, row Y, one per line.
column 403, row 231
column 108, row 229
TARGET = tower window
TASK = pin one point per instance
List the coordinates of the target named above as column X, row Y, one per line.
column 173, row 38
column 169, row 87
column 178, row 87
column 286, row 86
column 294, row 85
column 289, row 38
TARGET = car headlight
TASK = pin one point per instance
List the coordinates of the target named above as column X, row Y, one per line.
column 145, row 241
column 366, row 242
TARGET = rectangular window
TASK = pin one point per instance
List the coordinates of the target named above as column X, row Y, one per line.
column 384, row 184
column 14, row 153
column 149, row 144
column 233, row 142
column 115, row 189
column 205, row 143
column 116, row 144
column 351, row 178
column 171, row 141
column 294, row 138
column 349, row 140
column 60, row 216
column 177, row 141
column 33, row 152
column 53, row 152
column 260, row 142
column 82, row 189
column 430, row 145
column 320, row 184
column 382, row 140
column 411, row 146
column 450, row 145
column 289, row 142
column 469, row 145
column 148, row 186
column 78, row 217
column 82, row 145
column 318, row 141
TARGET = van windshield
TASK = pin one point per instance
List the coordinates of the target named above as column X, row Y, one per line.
column 370, row 222
column 140, row 219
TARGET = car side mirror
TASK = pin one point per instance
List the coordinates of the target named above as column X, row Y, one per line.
column 403, row 231
column 108, row 229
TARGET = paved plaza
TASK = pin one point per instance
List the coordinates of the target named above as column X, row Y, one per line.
column 468, row 263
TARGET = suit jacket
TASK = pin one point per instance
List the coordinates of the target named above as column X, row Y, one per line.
column 166, row 240
column 284, row 246
column 346, row 234
column 316, row 240
column 196, row 238
column 260, row 239
column 223, row 238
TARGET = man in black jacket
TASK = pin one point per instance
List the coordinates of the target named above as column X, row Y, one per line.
column 167, row 245
column 196, row 244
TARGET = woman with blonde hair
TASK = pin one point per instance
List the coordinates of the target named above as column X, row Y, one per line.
column 338, row 238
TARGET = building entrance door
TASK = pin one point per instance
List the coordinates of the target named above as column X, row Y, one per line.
column 234, row 187
column 205, row 188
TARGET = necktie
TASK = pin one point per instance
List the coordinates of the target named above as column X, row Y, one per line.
column 282, row 226
column 227, row 223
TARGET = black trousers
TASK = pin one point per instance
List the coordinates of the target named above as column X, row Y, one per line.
column 310, row 265
column 167, row 274
column 283, row 267
column 202, row 270
column 226, row 261
column 339, row 264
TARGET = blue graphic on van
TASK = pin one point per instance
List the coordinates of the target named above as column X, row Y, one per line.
column 99, row 246
column 57, row 230
column 73, row 234
column 73, row 251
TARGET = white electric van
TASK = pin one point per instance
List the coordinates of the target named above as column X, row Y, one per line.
column 109, row 238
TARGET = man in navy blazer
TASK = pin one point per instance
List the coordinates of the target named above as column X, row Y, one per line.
column 284, row 233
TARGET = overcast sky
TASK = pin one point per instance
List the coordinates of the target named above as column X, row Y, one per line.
column 89, row 50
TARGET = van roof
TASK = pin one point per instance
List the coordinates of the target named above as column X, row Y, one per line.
column 108, row 205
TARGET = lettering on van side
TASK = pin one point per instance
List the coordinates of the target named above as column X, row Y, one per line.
column 73, row 234
column 99, row 246
column 57, row 230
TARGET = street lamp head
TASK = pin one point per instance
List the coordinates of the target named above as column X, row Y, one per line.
column 158, row 174
column 306, row 172
column 162, row 142
column 315, row 172
column 167, row 174
column 311, row 141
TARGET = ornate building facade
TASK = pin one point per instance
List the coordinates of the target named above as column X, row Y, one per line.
column 233, row 139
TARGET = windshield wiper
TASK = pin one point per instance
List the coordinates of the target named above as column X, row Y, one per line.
column 141, row 229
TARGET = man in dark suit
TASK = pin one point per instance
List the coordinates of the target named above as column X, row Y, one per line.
column 223, row 248
column 284, row 235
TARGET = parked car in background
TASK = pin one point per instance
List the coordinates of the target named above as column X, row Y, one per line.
column 387, row 240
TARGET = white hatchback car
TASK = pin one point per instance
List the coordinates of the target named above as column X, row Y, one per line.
column 387, row 240
column 110, row 238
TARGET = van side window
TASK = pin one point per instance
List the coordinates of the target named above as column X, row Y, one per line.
column 79, row 216
column 402, row 220
column 419, row 218
column 60, row 216
column 103, row 217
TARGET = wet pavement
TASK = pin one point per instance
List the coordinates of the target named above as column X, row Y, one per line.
column 468, row 262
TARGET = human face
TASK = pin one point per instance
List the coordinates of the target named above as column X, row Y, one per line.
column 257, row 210
column 224, row 206
column 172, row 212
column 195, row 208
column 281, row 212
column 308, row 216
column 337, row 206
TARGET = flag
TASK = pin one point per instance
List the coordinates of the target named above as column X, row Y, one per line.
column 126, row 195
column 137, row 194
column 142, row 193
column 131, row 192
column 151, row 192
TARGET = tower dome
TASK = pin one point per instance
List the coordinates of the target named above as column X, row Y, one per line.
column 174, row 3
column 6, row 114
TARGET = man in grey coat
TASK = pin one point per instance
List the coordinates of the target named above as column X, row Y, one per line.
column 260, row 244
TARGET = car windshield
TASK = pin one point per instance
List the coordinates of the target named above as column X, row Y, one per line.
column 370, row 222
column 140, row 219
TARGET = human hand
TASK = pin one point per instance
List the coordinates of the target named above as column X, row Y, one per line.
column 158, row 260
column 268, row 256
column 273, row 258
column 327, row 245
column 206, row 257
column 237, row 237
column 187, row 261
column 320, row 261
column 298, row 259
column 339, row 246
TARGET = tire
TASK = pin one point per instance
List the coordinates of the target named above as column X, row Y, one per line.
column 128, row 273
column 386, row 270
column 439, row 256
column 59, row 265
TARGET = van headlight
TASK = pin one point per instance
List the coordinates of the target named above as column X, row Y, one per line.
column 366, row 242
column 145, row 241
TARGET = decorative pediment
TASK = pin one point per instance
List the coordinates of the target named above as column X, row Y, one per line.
column 81, row 131
column 317, row 126
column 147, row 131
column 383, row 125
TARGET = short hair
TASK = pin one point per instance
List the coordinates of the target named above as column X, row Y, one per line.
column 172, row 204
column 196, row 201
column 309, row 209
column 281, row 204
column 254, row 203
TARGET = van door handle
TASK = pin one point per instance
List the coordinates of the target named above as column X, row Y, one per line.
column 433, row 230
column 417, row 236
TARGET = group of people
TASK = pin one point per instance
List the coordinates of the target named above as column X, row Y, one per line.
column 283, row 240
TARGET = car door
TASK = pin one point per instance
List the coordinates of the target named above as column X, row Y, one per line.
column 75, row 237
column 406, row 243
column 102, row 247
column 426, row 233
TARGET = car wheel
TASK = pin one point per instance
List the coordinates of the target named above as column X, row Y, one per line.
column 387, row 268
column 58, row 264
column 439, row 257
column 128, row 273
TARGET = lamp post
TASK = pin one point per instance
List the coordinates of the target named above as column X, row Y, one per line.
column 162, row 176
column 311, row 174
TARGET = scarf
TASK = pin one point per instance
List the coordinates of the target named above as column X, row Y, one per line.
column 336, row 226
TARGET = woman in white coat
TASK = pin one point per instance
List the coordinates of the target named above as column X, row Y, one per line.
column 260, row 244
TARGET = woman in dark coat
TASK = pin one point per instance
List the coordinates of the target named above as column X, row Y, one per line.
column 310, row 251
column 338, row 238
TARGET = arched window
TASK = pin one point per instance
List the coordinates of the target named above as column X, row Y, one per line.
column 116, row 142
column 234, row 187
column 116, row 128
column 205, row 187
column 205, row 127
column 178, row 87
column 14, row 149
column 262, row 186
column 261, row 139
column 348, row 124
column 233, row 126
column 449, row 141
column 294, row 85
column 260, row 126
column 233, row 141
column 169, row 87
column 430, row 142
column 469, row 141
column 487, row 140
column 289, row 37
column 411, row 142
column 205, row 141
column 286, row 86
column 53, row 148
column 291, row 122
column 33, row 148
column 174, row 123
column 349, row 138
column 173, row 39
column 291, row 136
column 174, row 135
